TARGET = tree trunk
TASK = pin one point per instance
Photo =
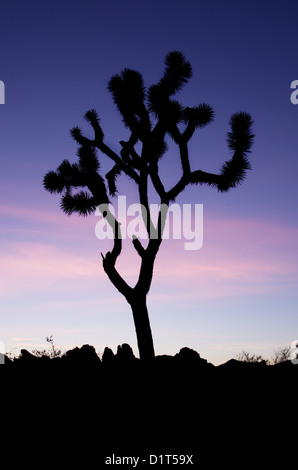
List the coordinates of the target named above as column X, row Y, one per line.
column 142, row 326
column 136, row 297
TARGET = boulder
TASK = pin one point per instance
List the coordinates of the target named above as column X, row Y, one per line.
column 125, row 353
column 187, row 354
column 108, row 356
column 28, row 356
column 190, row 357
column 84, row 355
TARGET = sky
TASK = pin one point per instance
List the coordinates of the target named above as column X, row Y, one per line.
column 239, row 290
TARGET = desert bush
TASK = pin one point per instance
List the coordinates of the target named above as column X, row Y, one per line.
column 246, row 356
column 281, row 354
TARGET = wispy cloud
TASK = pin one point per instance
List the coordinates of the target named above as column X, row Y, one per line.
column 20, row 218
column 19, row 212
column 238, row 256
column 32, row 266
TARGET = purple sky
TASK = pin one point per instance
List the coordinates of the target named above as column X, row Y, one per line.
column 239, row 291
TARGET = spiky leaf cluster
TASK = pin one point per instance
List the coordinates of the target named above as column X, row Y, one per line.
column 233, row 171
column 240, row 139
column 138, row 107
column 66, row 176
column 136, row 104
column 92, row 117
column 73, row 175
column 81, row 202
column 128, row 93
column 88, row 161
column 196, row 117
column 177, row 73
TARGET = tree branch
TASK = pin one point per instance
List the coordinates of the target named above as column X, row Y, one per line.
column 143, row 195
column 111, row 154
column 232, row 173
column 156, row 181
column 109, row 260
column 138, row 246
column 98, row 142
column 201, row 177
column 179, row 187
column 114, row 276
column 129, row 155
column 149, row 255
column 184, row 157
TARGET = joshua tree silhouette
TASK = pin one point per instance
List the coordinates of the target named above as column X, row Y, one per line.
column 150, row 115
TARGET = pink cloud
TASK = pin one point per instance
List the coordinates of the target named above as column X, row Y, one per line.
column 238, row 257
column 32, row 266
column 39, row 216
column 27, row 213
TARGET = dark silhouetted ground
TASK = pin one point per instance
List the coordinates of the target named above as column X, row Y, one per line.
column 78, row 409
